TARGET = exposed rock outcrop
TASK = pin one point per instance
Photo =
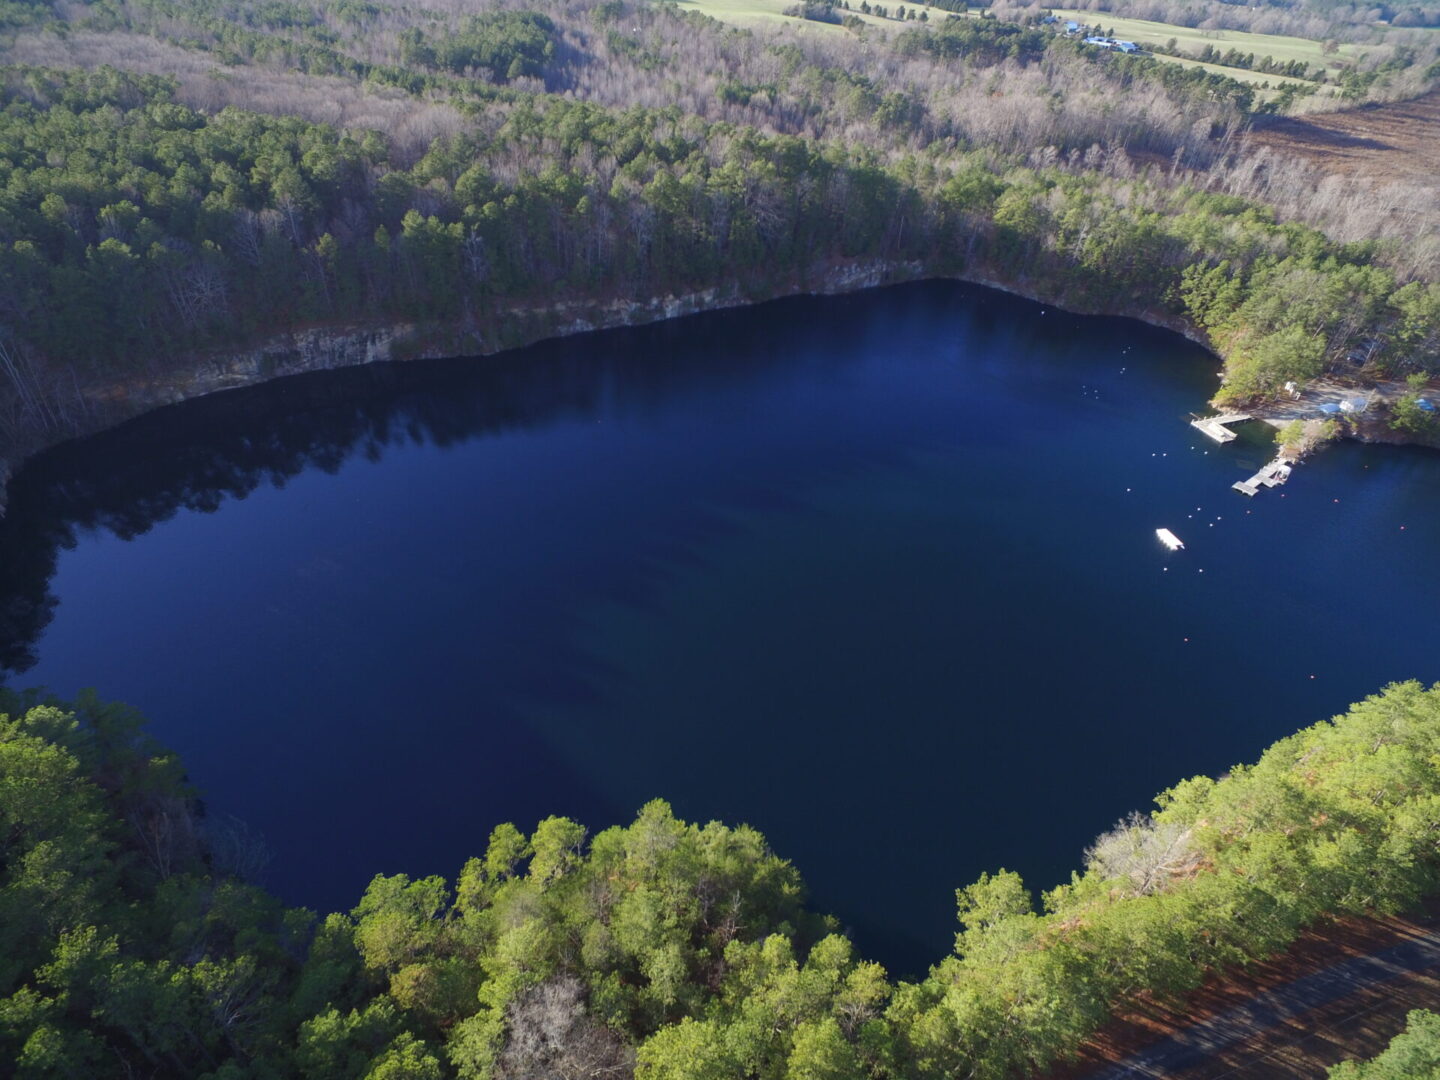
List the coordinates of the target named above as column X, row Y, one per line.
column 323, row 348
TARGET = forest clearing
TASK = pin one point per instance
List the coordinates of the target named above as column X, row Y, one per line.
column 1389, row 143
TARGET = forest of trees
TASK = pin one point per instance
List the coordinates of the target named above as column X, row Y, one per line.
column 177, row 177
column 133, row 943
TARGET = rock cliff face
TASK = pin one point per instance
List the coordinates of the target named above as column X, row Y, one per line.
column 324, row 348
column 317, row 349
column 327, row 347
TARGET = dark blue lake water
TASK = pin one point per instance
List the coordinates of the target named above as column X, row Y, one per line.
column 876, row 574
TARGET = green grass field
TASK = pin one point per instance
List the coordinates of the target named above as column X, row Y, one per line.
column 757, row 14
column 1143, row 32
column 748, row 13
column 760, row 14
column 1238, row 74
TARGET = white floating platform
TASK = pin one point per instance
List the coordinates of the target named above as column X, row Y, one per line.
column 1169, row 539
column 1214, row 426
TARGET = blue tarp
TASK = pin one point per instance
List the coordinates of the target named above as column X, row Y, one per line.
column 1330, row 408
column 1425, row 404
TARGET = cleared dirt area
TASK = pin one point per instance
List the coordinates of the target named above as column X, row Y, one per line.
column 1397, row 142
column 1305, row 1043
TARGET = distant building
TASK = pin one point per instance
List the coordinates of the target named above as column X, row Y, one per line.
column 1072, row 27
column 1127, row 46
column 1104, row 43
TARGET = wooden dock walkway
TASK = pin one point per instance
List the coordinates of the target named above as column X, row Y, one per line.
column 1214, row 426
column 1272, row 475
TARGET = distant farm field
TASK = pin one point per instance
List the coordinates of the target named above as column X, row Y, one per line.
column 761, row 13
column 1238, row 74
column 1144, row 32
column 740, row 12
column 757, row 14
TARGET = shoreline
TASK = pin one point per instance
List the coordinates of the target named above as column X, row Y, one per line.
column 344, row 345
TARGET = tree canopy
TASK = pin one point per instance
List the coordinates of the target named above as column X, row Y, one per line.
column 132, row 941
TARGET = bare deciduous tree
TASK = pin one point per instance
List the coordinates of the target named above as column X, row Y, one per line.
column 236, row 848
column 31, row 404
column 166, row 833
column 196, row 289
column 1144, row 852
column 550, row 1035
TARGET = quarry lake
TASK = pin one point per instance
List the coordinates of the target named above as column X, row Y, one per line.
column 876, row 574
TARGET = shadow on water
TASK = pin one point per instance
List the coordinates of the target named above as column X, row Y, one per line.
column 199, row 454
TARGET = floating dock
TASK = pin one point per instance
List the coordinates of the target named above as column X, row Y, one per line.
column 1214, row 426
column 1272, row 475
column 1169, row 539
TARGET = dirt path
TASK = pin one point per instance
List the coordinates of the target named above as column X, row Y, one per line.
column 1342, row 992
column 1207, row 1041
column 1370, row 424
column 1326, row 391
